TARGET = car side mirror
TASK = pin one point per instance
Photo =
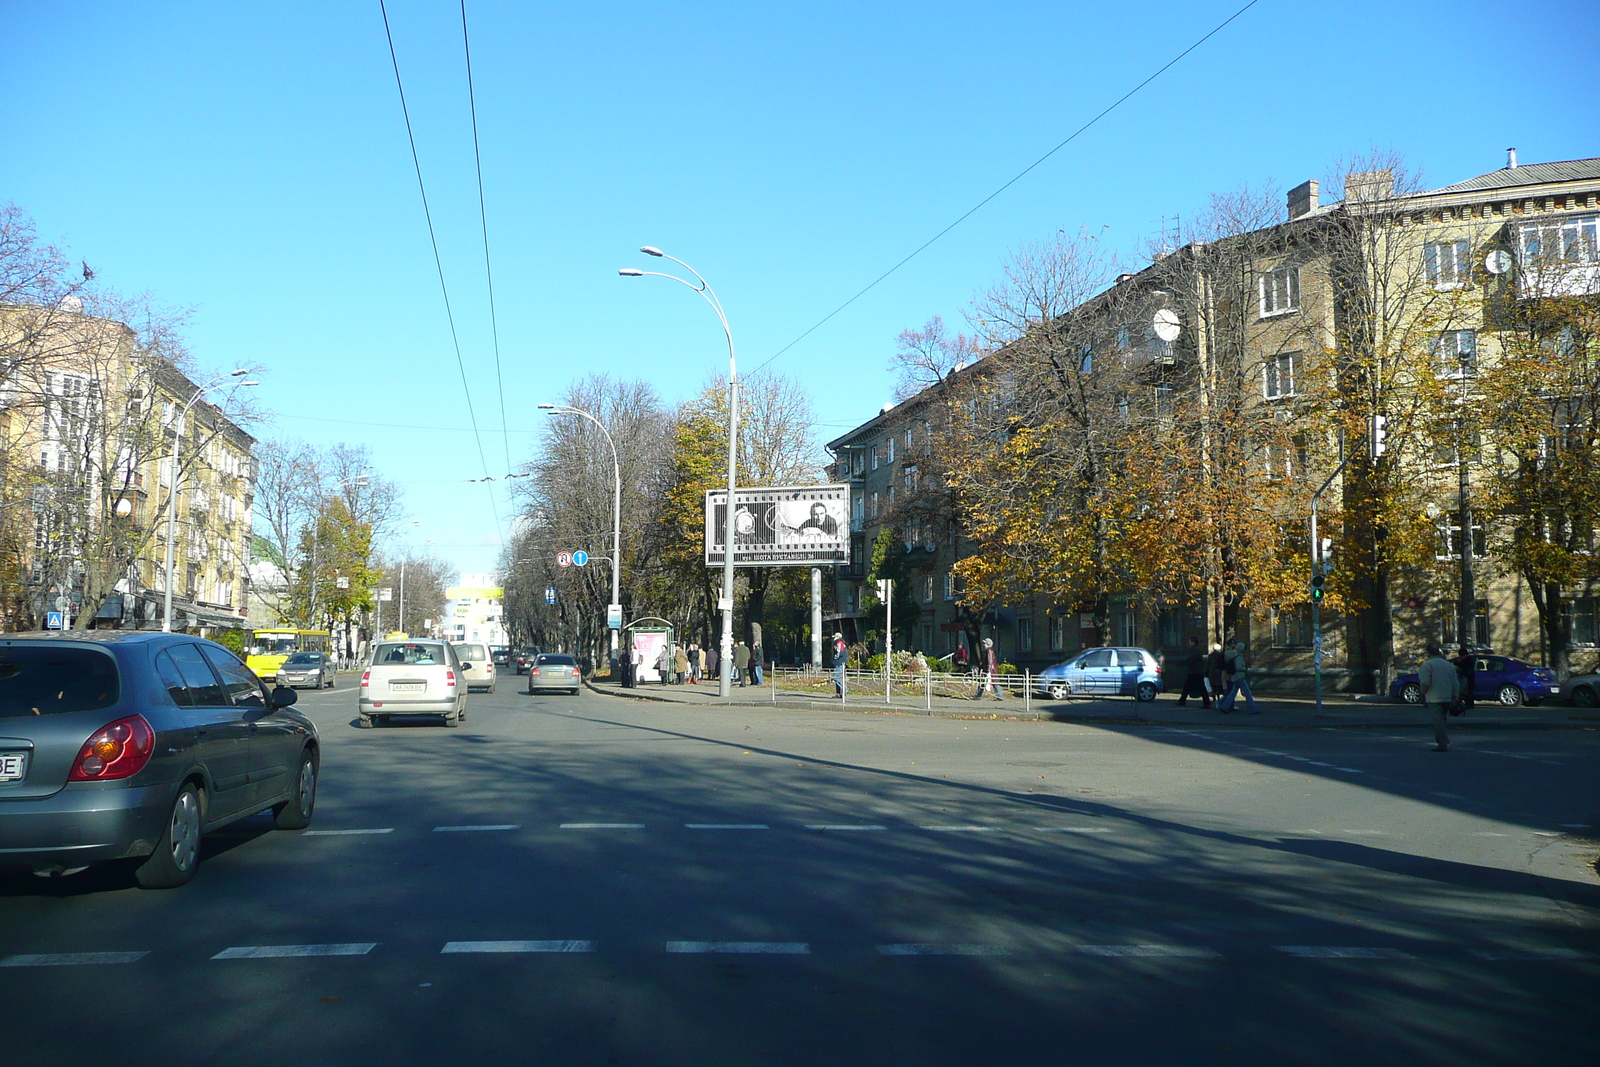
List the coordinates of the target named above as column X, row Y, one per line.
column 283, row 697
column 466, row 666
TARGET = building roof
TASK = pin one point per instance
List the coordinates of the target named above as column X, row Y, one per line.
column 1568, row 170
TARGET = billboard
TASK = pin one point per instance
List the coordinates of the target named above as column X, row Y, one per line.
column 789, row 526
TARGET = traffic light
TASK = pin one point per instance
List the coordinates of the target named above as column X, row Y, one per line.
column 1379, row 435
column 1317, row 590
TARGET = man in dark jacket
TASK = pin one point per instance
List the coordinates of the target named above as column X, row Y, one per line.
column 1466, row 665
column 741, row 662
column 1194, row 676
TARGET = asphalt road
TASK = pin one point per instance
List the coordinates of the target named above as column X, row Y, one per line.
column 589, row 880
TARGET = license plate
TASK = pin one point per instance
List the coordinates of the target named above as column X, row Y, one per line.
column 407, row 687
column 13, row 766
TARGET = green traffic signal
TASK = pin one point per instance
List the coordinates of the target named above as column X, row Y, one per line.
column 1317, row 592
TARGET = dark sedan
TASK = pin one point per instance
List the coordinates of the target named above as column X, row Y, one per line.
column 1496, row 679
column 525, row 657
column 127, row 745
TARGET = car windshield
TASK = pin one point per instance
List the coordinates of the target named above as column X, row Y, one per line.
column 53, row 680
column 275, row 644
column 473, row 652
column 557, row 661
column 304, row 659
column 410, row 654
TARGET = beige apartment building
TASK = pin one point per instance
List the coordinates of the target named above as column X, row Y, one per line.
column 1382, row 313
column 88, row 423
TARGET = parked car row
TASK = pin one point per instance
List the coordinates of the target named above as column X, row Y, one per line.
column 1496, row 679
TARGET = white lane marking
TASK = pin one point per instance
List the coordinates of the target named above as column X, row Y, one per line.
column 1367, row 833
column 602, row 826
column 475, row 829
column 961, row 829
column 740, row 948
column 348, row 833
column 1340, row 952
column 833, row 826
column 517, row 946
column 725, row 826
column 1534, row 954
column 1146, row 951
column 272, row 952
column 1450, row 796
column 69, row 959
column 930, row 949
column 1576, row 825
column 1546, row 833
column 1487, row 833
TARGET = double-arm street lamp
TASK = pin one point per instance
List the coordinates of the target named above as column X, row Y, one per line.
column 614, row 611
column 172, row 490
column 725, row 603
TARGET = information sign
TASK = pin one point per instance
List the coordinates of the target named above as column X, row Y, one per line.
column 55, row 620
column 549, row 594
column 614, row 616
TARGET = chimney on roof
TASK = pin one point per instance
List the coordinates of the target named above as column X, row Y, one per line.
column 1368, row 186
column 1303, row 199
column 1511, row 159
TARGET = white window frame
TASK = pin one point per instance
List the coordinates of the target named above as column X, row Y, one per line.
column 1448, row 348
column 1448, row 264
column 889, row 456
column 1025, row 634
column 1272, row 376
column 1278, row 291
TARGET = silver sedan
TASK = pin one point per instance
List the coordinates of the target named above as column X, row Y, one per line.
column 314, row 669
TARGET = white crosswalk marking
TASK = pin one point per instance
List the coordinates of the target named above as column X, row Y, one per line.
column 725, row 825
column 272, row 952
column 348, row 833
column 1340, row 952
column 740, row 948
column 835, row 826
column 602, row 826
column 516, row 946
column 962, row 829
column 70, row 959
column 1533, row 954
column 475, row 829
column 934, row 949
column 1142, row 951
column 1074, row 829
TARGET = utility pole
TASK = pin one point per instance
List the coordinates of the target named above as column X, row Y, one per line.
column 1465, row 633
column 816, row 617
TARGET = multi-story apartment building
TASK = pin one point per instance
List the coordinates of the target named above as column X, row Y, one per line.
column 88, row 424
column 1276, row 350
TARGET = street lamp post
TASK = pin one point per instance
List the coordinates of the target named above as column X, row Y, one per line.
column 1465, row 629
column 614, row 610
column 172, row 490
column 725, row 603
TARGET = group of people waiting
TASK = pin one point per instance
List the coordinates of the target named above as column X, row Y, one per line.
column 690, row 664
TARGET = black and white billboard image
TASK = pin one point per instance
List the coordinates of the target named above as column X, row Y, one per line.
column 790, row 526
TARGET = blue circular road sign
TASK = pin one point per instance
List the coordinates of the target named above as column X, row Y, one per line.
column 580, row 558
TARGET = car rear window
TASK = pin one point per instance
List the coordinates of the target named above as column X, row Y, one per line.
column 53, row 680
column 471, row 652
column 557, row 661
column 410, row 654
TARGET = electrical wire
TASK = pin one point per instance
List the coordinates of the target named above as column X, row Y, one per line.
column 438, row 263
column 1014, row 179
column 483, row 217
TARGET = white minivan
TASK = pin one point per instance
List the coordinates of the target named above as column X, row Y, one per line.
column 412, row 678
column 477, row 663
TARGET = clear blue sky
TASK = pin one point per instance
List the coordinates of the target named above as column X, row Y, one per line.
column 250, row 161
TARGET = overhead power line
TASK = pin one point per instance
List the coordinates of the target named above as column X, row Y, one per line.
column 483, row 217
column 1218, row 28
column 438, row 263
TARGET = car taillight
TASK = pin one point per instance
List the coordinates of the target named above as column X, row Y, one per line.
column 366, row 679
column 533, row 672
column 117, row 750
column 576, row 675
column 449, row 678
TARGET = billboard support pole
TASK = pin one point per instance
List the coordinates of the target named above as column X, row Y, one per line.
column 816, row 617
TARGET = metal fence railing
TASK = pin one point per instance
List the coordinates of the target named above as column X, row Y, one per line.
column 903, row 688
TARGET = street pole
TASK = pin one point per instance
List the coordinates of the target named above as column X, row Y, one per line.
column 886, row 590
column 616, row 519
column 725, row 603
column 1469, row 598
column 172, row 489
column 1319, row 569
column 816, row 617
column 401, row 625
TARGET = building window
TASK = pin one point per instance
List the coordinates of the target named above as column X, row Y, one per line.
column 1581, row 617
column 927, row 589
column 874, row 512
column 1447, row 264
column 1291, row 627
column 1450, row 542
column 1450, row 624
column 1126, row 626
column 891, row 496
column 1565, row 241
column 1025, row 634
column 1058, row 632
column 858, row 461
column 1086, row 360
column 1279, row 291
column 1164, row 398
column 954, row 585
column 1281, row 376
column 1171, row 627
column 1455, row 354
column 890, row 457
column 1446, row 445
column 911, row 477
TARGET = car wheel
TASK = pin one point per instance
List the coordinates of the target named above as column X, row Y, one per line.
column 1146, row 692
column 331, row 680
column 1510, row 696
column 1059, row 690
column 1411, row 693
column 178, row 852
column 452, row 721
column 295, row 813
column 1583, row 697
column 367, row 722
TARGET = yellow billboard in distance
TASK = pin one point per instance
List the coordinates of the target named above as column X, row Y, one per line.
column 468, row 592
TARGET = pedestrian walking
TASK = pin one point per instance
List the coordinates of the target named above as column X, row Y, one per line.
column 713, row 663
column 840, row 659
column 988, row 671
column 1466, row 665
column 756, row 652
column 960, row 659
column 664, row 665
column 1195, row 682
column 1238, row 671
column 741, row 663
column 680, row 663
column 1214, row 671
column 1441, row 688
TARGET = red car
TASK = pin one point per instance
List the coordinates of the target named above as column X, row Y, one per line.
column 525, row 657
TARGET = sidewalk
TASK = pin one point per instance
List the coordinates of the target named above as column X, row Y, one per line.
column 1340, row 711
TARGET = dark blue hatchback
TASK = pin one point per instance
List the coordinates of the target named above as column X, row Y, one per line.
column 1497, row 679
column 124, row 745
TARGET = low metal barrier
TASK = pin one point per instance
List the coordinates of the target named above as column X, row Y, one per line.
column 903, row 688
